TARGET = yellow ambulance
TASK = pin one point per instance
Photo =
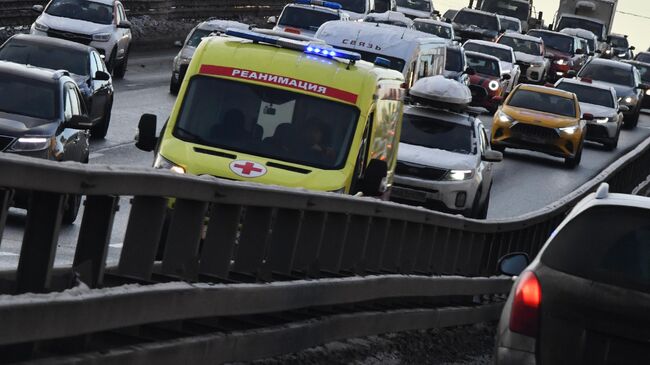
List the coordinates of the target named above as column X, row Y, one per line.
column 263, row 107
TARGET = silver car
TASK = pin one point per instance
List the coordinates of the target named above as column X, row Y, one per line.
column 444, row 162
column 182, row 60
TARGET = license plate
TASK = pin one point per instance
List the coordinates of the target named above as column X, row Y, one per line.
column 409, row 194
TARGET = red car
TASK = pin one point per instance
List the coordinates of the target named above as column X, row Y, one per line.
column 487, row 82
column 563, row 51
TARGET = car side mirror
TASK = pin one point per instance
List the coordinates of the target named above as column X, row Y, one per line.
column 469, row 71
column 580, row 51
column 643, row 87
column 513, row 264
column 623, row 108
column 588, row 117
column 492, row 156
column 373, row 183
column 571, row 74
column 632, row 48
column 124, row 24
column 591, row 54
column 272, row 20
column 102, row 76
column 38, row 8
column 506, row 77
column 146, row 138
column 178, row 44
column 79, row 122
column 435, row 13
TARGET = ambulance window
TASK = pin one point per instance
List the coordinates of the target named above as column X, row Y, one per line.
column 425, row 66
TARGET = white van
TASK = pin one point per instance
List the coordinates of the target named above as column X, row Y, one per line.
column 415, row 54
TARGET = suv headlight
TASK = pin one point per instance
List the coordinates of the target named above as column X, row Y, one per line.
column 628, row 100
column 622, row 54
column 602, row 120
column 504, row 118
column 102, row 37
column 459, row 175
column 40, row 27
column 569, row 130
column 31, row 144
column 163, row 163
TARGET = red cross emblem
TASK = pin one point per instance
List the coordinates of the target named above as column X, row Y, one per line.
column 247, row 168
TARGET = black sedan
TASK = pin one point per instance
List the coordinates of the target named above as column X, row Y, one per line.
column 585, row 299
column 84, row 63
column 644, row 71
column 43, row 115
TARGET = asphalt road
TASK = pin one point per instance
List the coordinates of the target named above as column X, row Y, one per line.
column 524, row 181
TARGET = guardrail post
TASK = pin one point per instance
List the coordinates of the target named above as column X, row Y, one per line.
column 438, row 253
column 44, row 215
column 181, row 257
column 331, row 250
column 284, row 239
column 251, row 250
column 220, row 240
column 393, row 246
column 374, row 248
column 425, row 250
column 309, row 241
column 142, row 237
column 355, row 244
column 411, row 242
column 94, row 238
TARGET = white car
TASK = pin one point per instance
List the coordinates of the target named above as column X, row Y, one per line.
column 438, row 28
column 416, row 8
column 506, row 56
column 510, row 24
column 184, row 56
column 444, row 160
column 390, row 17
column 101, row 24
column 529, row 54
column 304, row 17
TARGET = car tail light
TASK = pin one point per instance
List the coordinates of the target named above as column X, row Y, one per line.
column 292, row 30
column 524, row 316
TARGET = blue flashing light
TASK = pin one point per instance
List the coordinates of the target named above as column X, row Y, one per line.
column 327, row 4
column 331, row 52
column 253, row 36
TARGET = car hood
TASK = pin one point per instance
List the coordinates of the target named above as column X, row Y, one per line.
column 538, row 118
column 528, row 58
column 15, row 125
column 555, row 54
column 433, row 157
column 598, row 111
column 74, row 25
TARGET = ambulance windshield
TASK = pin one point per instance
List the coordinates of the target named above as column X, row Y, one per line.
column 269, row 122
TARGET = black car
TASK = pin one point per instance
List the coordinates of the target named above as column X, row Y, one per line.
column 644, row 71
column 642, row 57
column 476, row 24
column 618, row 47
column 84, row 64
column 624, row 78
column 43, row 115
column 585, row 299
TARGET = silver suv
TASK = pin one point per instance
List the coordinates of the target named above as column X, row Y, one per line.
column 101, row 24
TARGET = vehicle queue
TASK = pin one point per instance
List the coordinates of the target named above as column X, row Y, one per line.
column 239, row 118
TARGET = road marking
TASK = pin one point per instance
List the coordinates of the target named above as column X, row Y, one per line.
column 2, row 253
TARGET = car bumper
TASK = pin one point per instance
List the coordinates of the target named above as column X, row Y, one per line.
column 601, row 132
column 535, row 73
column 560, row 145
column 454, row 197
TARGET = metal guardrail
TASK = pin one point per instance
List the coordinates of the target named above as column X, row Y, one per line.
column 310, row 260
column 18, row 12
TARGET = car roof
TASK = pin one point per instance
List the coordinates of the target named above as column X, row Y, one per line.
column 431, row 21
column 578, row 32
column 525, row 37
column 594, row 84
column 318, row 8
column 511, row 18
column 611, row 63
column 446, row 115
column 545, row 31
column 30, row 72
column 488, row 44
column 49, row 41
column 481, row 55
column 476, row 11
column 546, row 90
column 637, row 63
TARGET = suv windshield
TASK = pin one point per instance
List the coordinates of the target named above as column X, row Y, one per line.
column 522, row 45
column 504, row 55
column 556, row 41
column 438, row 30
column 618, row 251
column 643, row 57
column 197, row 36
column 422, row 5
column 355, row 6
column 546, row 103
column 484, row 21
column 454, row 60
column 268, row 122
column 89, row 11
column 588, row 94
column 606, row 73
column 509, row 24
column 619, row 42
column 568, row 22
column 19, row 96
column 516, row 9
column 436, row 133
column 483, row 65
column 305, row 18
column 54, row 58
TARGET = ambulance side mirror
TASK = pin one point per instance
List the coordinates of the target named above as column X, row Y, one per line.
column 374, row 178
column 146, row 138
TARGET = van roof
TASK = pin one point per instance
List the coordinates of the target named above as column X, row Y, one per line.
column 237, row 58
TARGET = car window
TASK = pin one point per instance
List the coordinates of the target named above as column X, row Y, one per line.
column 568, row 22
column 556, row 41
column 508, row 24
column 543, row 102
column 90, row 11
column 588, row 94
column 522, row 45
column 619, row 42
column 485, row 21
column 20, row 96
column 454, row 60
column 608, row 73
column 54, row 58
column 266, row 121
column 500, row 53
column 196, row 37
column 515, row 9
column 73, row 104
column 607, row 244
column 438, row 30
column 435, row 133
column 121, row 11
column 644, row 72
column 421, row 5
column 305, row 18
column 643, row 57
column 94, row 64
column 356, row 6
column 483, row 65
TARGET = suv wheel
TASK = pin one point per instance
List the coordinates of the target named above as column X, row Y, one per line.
column 174, row 86
column 572, row 162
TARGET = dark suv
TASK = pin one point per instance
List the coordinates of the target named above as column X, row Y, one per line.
column 43, row 115
column 476, row 24
column 84, row 64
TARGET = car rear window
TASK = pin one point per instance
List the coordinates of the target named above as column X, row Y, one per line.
column 547, row 103
column 502, row 54
column 483, row 65
column 28, row 97
column 606, row 244
column 54, row 58
column 613, row 74
column 305, row 18
column 479, row 20
column 436, row 133
column 589, row 94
